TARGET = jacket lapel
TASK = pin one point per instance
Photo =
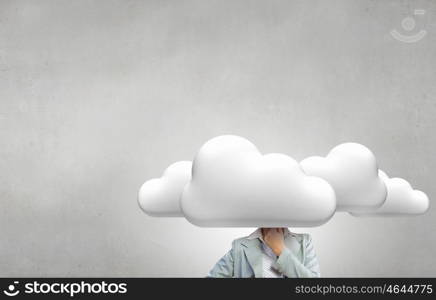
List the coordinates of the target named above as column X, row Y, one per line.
column 253, row 252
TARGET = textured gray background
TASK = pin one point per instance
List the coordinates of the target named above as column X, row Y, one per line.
column 98, row 96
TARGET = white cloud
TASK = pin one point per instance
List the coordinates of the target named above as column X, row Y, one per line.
column 160, row 197
column 402, row 199
column 352, row 171
column 234, row 185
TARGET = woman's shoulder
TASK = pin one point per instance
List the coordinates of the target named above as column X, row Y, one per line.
column 304, row 239
column 242, row 241
column 303, row 236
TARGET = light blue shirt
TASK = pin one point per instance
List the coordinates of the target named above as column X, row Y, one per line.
column 246, row 258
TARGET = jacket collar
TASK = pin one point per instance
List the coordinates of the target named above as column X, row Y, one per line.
column 253, row 252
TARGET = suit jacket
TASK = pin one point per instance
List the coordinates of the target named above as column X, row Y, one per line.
column 297, row 259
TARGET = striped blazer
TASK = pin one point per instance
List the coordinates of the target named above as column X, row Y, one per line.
column 244, row 259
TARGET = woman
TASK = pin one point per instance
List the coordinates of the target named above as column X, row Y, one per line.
column 270, row 253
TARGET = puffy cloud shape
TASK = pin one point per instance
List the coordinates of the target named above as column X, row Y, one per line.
column 352, row 171
column 402, row 199
column 160, row 197
column 231, row 184
column 234, row 185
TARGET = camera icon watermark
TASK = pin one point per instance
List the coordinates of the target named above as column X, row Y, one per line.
column 408, row 24
column 11, row 290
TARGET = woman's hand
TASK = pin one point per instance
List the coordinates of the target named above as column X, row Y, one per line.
column 274, row 238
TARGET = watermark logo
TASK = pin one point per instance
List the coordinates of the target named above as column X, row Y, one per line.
column 12, row 290
column 71, row 289
column 408, row 24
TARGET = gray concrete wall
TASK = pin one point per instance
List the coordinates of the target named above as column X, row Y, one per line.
column 98, row 96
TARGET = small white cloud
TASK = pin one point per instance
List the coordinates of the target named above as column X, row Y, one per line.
column 234, row 185
column 160, row 197
column 402, row 199
column 352, row 171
